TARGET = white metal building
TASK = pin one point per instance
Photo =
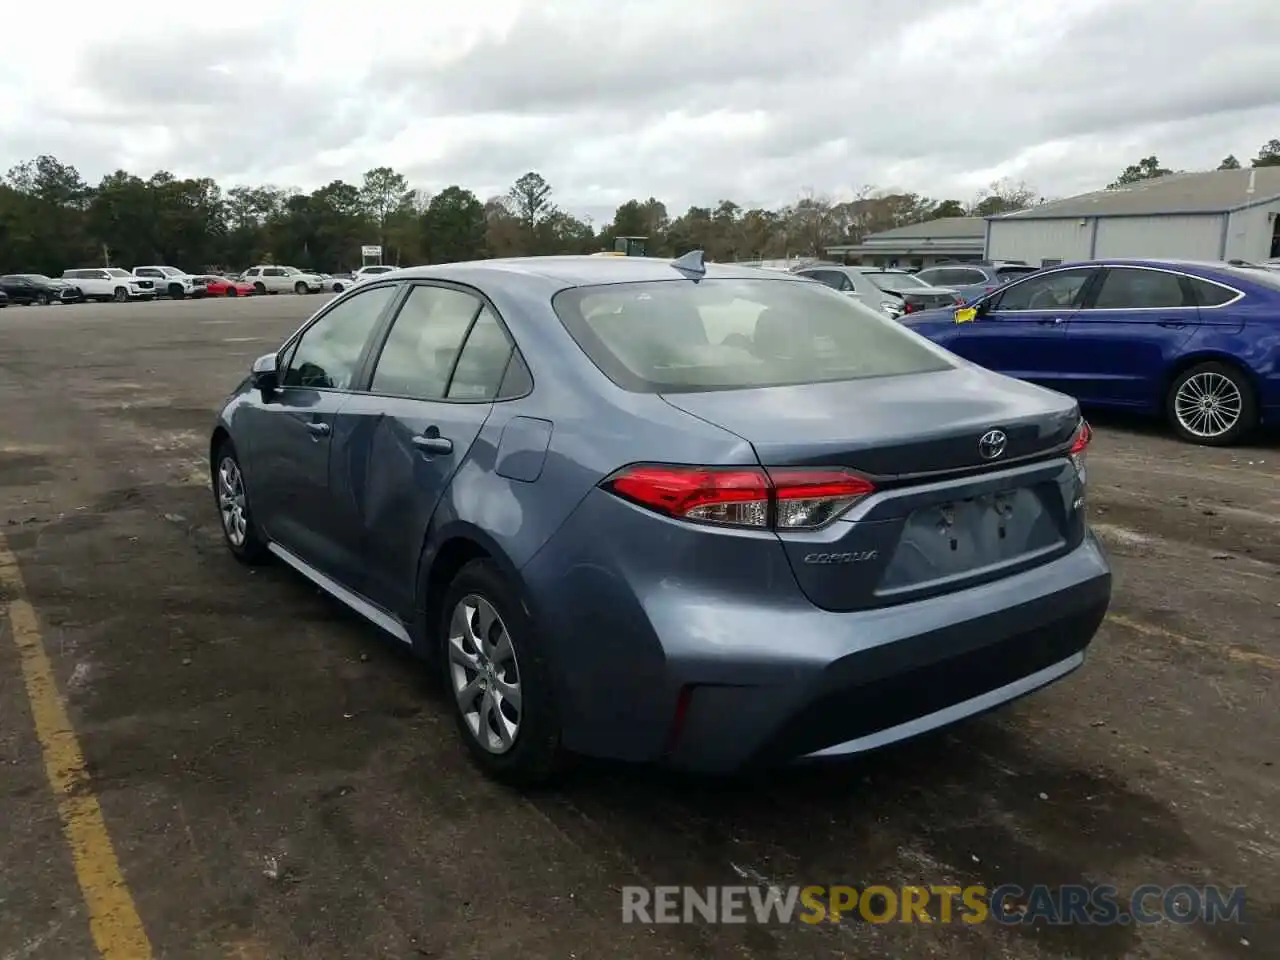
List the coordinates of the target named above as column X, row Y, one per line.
column 917, row 245
column 1219, row 215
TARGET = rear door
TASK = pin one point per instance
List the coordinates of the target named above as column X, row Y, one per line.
column 1020, row 329
column 1132, row 327
column 291, row 434
column 398, row 445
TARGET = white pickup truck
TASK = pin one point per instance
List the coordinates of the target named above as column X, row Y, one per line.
column 110, row 283
column 270, row 278
column 172, row 282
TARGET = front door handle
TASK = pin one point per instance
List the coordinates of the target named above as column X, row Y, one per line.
column 1172, row 324
column 436, row 444
column 318, row 429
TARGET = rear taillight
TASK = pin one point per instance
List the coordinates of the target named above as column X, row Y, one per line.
column 908, row 307
column 781, row 498
column 1080, row 447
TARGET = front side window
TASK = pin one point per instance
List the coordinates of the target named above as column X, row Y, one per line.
column 1049, row 291
column 418, row 356
column 328, row 353
column 677, row 336
column 117, row 272
column 1125, row 289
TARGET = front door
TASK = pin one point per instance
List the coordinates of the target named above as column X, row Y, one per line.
column 1020, row 329
column 398, row 446
column 292, row 434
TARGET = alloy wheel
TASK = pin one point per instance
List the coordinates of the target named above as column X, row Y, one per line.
column 484, row 674
column 231, row 502
column 1208, row 404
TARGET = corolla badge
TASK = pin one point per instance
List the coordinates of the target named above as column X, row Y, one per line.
column 991, row 444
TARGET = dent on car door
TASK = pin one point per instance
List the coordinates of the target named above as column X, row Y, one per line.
column 1020, row 329
column 400, row 444
column 290, row 434
column 1132, row 328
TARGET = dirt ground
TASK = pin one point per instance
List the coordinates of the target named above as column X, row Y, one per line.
column 278, row 781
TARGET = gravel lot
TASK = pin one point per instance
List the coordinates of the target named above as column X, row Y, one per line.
column 278, row 781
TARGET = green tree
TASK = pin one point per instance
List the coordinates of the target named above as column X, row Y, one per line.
column 1148, row 168
column 947, row 208
column 529, row 200
column 1269, row 155
column 384, row 193
column 1229, row 162
column 453, row 226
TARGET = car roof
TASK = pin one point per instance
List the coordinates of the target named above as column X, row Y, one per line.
column 583, row 271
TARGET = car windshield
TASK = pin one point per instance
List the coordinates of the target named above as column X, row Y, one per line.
column 896, row 281
column 292, row 271
column 117, row 272
column 675, row 336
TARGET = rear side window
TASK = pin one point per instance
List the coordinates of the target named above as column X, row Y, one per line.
column 1127, row 289
column 1209, row 294
column 676, row 336
column 482, row 362
column 1009, row 273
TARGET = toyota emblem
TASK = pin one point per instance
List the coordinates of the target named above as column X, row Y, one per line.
column 991, row 444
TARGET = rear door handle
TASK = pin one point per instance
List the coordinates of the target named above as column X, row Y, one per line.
column 1055, row 321
column 318, row 429
column 1172, row 324
column 433, row 444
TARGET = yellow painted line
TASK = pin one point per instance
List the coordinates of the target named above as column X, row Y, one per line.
column 1217, row 649
column 113, row 918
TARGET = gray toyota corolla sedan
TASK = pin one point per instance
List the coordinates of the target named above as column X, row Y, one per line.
column 668, row 511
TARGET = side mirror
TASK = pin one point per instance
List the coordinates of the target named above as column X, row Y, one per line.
column 263, row 375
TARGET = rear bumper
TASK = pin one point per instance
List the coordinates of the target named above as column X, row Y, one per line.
column 718, row 681
column 935, row 663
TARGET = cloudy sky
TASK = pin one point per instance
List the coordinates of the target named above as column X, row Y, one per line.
column 755, row 100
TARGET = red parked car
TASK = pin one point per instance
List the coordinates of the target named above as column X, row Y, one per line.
column 227, row 287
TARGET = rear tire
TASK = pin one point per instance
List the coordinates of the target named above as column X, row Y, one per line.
column 1212, row 404
column 231, row 292
column 259, row 288
column 337, row 288
column 175, row 291
column 497, row 677
column 231, row 497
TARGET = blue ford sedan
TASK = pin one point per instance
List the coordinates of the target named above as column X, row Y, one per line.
column 662, row 511
column 1198, row 343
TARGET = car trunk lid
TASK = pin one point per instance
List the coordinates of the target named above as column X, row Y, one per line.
column 949, row 510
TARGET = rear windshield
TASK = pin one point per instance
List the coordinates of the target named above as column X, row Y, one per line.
column 896, row 281
column 676, row 336
column 1259, row 275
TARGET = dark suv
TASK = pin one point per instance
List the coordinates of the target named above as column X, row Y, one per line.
column 28, row 288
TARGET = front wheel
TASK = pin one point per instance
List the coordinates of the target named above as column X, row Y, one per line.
column 1212, row 404
column 337, row 288
column 43, row 299
column 175, row 292
column 231, row 292
column 239, row 529
column 299, row 288
column 500, row 682
column 121, row 295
